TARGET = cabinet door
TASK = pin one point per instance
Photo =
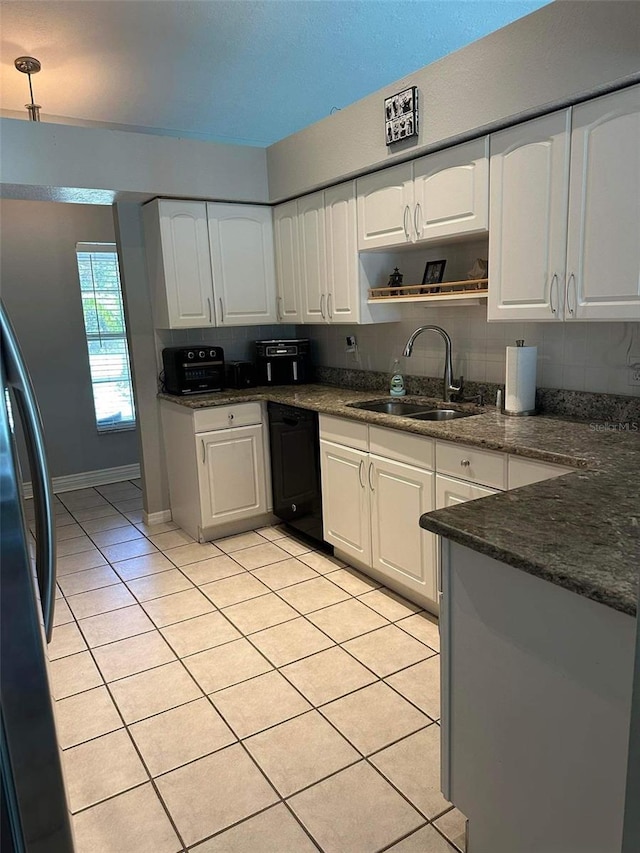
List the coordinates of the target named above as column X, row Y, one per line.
column 244, row 280
column 343, row 296
column 385, row 206
column 400, row 494
column 231, row 474
column 527, row 221
column 603, row 255
column 285, row 228
column 451, row 192
column 187, row 264
column 313, row 261
column 450, row 491
column 345, row 500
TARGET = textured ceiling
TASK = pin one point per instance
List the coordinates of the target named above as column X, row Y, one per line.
column 240, row 71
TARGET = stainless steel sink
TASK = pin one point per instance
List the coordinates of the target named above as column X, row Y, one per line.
column 410, row 410
column 441, row 415
column 391, row 407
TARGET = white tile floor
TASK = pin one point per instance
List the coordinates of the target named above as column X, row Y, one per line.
column 250, row 694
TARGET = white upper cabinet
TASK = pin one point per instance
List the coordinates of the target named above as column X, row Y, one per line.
column 528, row 221
column 241, row 239
column 564, row 237
column 603, row 250
column 385, row 204
column 440, row 196
column 318, row 274
column 179, row 264
column 313, row 261
column 285, row 230
column 451, row 192
column 343, row 297
column 209, row 264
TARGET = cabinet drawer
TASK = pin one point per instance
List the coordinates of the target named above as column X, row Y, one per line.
column 469, row 463
column 402, row 447
column 523, row 472
column 343, row 431
column 223, row 417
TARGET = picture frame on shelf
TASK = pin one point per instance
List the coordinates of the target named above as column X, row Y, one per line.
column 433, row 274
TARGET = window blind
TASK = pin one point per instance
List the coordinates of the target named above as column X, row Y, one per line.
column 106, row 335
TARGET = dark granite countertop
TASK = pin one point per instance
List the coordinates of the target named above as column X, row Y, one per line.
column 580, row 531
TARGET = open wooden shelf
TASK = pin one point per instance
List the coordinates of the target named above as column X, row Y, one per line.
column 470, row 289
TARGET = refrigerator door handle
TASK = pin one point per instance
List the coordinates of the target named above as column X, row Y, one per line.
column 18, row 378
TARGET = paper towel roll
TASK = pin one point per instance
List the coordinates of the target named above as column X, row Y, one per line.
column 520, row 387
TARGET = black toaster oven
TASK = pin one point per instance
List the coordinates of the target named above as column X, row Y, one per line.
column 193, row 370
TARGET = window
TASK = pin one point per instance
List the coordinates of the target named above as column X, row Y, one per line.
column 106, row 336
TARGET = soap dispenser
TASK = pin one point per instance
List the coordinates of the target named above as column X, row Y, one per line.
column 396, row 386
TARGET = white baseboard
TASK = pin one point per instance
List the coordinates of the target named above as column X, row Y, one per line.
column 157, row 517
column 90, row 478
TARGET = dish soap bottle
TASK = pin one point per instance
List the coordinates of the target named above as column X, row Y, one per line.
column 396, row 386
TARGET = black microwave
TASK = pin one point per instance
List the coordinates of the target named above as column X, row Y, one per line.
column 193, row 370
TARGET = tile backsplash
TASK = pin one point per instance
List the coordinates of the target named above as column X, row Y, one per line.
column 575, row 356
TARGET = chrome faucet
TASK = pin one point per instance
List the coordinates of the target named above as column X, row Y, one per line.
column 449, row 387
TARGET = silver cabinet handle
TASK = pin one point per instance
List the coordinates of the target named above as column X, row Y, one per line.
column 371, row 476
column 209, row 307
column 554, row 279
column 407, row 213
column 230, row 416
column 329, row 312
column 417, row 216
column 465, row 463
column 279, row 308
column 18, row 378
column 221, row 309
column 360, row 467
column 322, row 306
column 568, row 294
column 204, row 452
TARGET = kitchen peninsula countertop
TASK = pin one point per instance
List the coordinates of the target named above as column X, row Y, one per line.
column 580, row 531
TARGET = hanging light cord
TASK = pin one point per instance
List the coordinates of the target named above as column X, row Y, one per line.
column 31, row 89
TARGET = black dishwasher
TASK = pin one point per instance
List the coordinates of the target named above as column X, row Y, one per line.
column 295, row 469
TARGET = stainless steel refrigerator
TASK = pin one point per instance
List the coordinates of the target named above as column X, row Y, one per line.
column 34, row 815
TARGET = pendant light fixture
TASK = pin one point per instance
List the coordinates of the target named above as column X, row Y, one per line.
column 28, row 65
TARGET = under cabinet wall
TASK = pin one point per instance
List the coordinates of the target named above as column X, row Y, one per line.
column 580, row 357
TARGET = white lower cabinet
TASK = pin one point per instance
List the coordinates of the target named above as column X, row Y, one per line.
column 231, row 474
column 372, row 504
column 450, row 491
column 218, row 466
column 345, row 500
column 400, row 494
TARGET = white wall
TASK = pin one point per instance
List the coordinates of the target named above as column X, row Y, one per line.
column 41, row 291
column 120, row 164
column 574, row 356
column 561, row 52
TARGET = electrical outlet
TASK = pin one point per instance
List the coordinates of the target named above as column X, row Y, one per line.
column 633, row 374
column 352, row 345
